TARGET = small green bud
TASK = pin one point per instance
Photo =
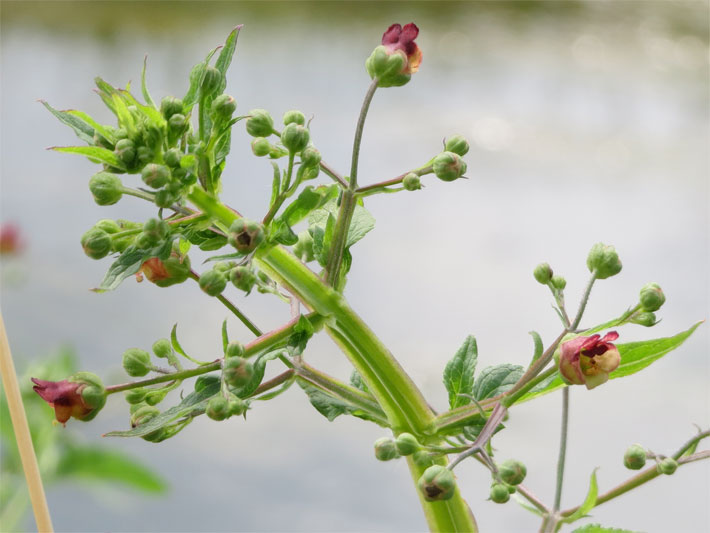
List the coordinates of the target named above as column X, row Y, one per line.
column 543, row 273
column 412, row 182
column 310, row 157
column 260, row 123
column 393, row 70
column 170, row 106
column 260, row 146
column 144, row 414
column 295, row 137
column 156, row 230
column 136, row 362
column 243, row 278
column 126, row 152
column 667, row 466
column 647, row 319
column 499, row 493
column 96, row 243
column 211, row 80
column 237, row 371
column 294, row 117
column 604, row 260
column 144, row 155
column 236, row 405
column 558, row 282
column 172, row 157
column 134, row 407
column 457, row 144
column 385, row 449
column 155, row 175
column 635, row 457
column 512, row 472
column 213, row 282
column 234, row 349
column 159, row 435
column 422, row 459
column 155, row 397
column 163, row 348
column 651, row 297
column 406, row 444
column 245, row 235
column 108, row 225
column 218, row 408
column 277, row 152
column 223, row 108
column 205, row 381
column 449, row 166
column 303, row 249
column 164, row 198
column 152, row 135
column 177, row 124
column 224, row 266
column 106, row 188
column 437, row 483
column 135, row 396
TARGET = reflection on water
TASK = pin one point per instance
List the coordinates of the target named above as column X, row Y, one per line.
column 588, row 123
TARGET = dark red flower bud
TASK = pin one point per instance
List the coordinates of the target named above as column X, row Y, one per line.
column 81, row 396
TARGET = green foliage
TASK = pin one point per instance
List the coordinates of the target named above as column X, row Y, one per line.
column 130, row 262
column 332, row 407
column 459, row 373
column 596, row 528
column 495, row 380
column 589, row 501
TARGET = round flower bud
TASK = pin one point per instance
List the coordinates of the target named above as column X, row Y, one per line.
column 260, row 146
column 245, row 235
column 295, row 137
column 512, row 472
column 237, row 371
column 223, row 108
column 156, row 230
column 277, row 152
column 644, row 319
column 310, row 157
column 126, row 152
column 172, row 157
column 135, row 396
column 211, row 80
column 243, row 278
column 236, row 405
column 163, row 348
column 213, row 282
column 385, row 449
column 651, row 297
column 224, row 266
column 164, row 198
column 412, row 182
column 406, row 444
column 635, row 457
column 260, row 123
column 155, row 176
column 558, row 282
column 457, row 144
column 218, row 408
column 177, row 124
column 144, row 155
column 206, row 381
column 144, row 414
column 108, row 225
column 422, row 459
column 667, row 466
column 294, row 117
column 136, row 362
column 170, row 106
column 234, row 349
column 604, row 260
column 106, row 188
column 155, row 397
column 543, row 273
column 449, row 166
column 499, row 493
column 437, row 483
column 96, row 243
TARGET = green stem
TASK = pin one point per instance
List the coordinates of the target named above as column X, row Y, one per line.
column 426, row 169
column 692, row 442
column 139, row 194
column 512, row 398
column 563, row 450
column 358, row 132
column 583, row 302
column 333, row 174
column 184, row 374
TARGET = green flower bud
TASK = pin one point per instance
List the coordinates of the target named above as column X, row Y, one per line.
column 106, row 188
column 406, row 444
column 651, row 297
column 218, row 408
column 164, row 198
column 667, row 466
column 393, row 70
column 310, row 157
column 156, row 230
column 422, row 459
column 437, row 483
column 644, row 319
column 163, row 348
column 236, row 405
column 135, row 396
column 234, row 349
column 155, row 176
column 277, row 152
column 177, row 124
column 134, row 407
column 211, row 80
column 449, row 166
column 243, row 278
column 512, row 472
column 96, row 243
column 213, row 282
column 457, row 144
column 159, row 435
column 260, row 123
column 558, row 282
column 136, row 362
column 295, row 137
column 635, row 457
column 294, row 117
column 126, row 152
column 155, row 397
column 108, row 225
column 260, row 146
column 152, row 135
column 170, row 106
column 499, row 493
column 144, row 414
column 144, row 156
column 412, row 182
column 237, row 371
column 205, row 381
column 385, row 449
column 245, row 235
column 303, row 249
column 604, row 260
column 223, row 108
column 172, row 158
column 543, row 273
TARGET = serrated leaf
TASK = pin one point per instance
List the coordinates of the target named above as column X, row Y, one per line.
column 83, row 130
column 495, row 380
column 95, row 153
column 196, row 75
column 310, row 198
column 362, row 221
column 596, row 528
column 282, row 233
column 459, row 373
column 589, row 501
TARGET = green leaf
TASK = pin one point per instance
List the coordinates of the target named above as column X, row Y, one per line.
column 108, row 466
column 525, row 505
column 225, row 336
column 196, row 75
column 537, row 346
column 94, row 153
column 332, row 407
column 589, row 502
column 282, row 233
column 225, row 56
column 130, row 262
column 101, row 130
column 495, row 380
column 302, row 332
column 596, row 528
column 144, row 87
column 275, row 183
column 205, row 239
column 362, row 221
column 106, row 92
column 179, row 349
column 309, row 199
column 459, row 372
column 357, row 381
column 83, row 130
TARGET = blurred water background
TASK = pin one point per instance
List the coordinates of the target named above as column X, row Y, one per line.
column 588, row 122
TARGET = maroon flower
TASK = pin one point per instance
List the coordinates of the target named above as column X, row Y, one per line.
column 397, row 38
column 64, row 396
column 10, row 240
column 589, row 360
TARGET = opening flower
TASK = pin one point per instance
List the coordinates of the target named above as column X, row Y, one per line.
column 397, row 58
column 64, row 397
column 398, row 38
column 589, row 360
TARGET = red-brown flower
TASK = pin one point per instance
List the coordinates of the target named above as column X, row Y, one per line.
column 589, row 360
column 10, row 240
column 398, row 38
column 64, row 397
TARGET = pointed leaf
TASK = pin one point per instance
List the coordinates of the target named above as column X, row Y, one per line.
column 537, row 346
column 83, row 130
column 225, row 336
column 144, row 87
column 225, row 56
column 94, row 153
column 589, row 502
column 459, row 372
column 130, row 262
column 495, row 380
column 101, row 130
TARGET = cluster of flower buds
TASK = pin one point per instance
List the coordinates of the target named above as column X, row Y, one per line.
column 636, row 455
column 651, row 298
column 81, row 396
column 509, row 474
column 449, row 165
column 543, row 274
